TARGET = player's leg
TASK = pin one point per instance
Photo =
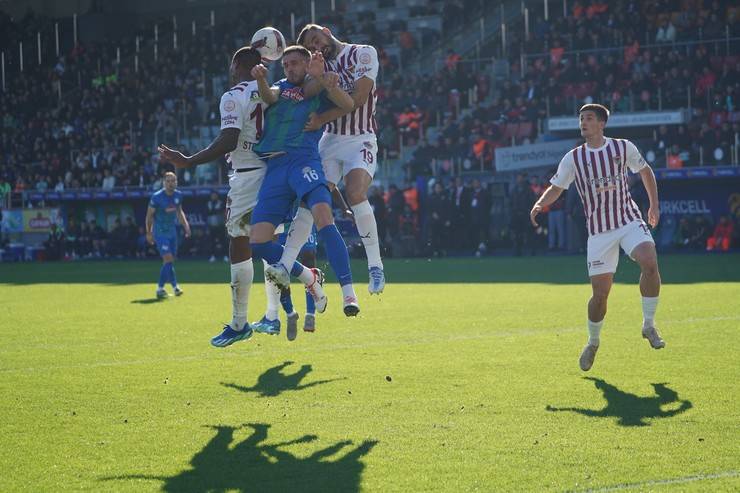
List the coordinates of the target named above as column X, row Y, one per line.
column 356, row 184
column 308, row 258
column 239, row 205
column 173, row 276
column 603, row 257
column 336, row 250
column 164, row 248
column 639, row 244
column 300, row 229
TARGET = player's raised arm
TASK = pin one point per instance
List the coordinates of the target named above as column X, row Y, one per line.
column 551, row 195
column 268, row 94
column 337, row 95
column 312, row 86
column 224, row 143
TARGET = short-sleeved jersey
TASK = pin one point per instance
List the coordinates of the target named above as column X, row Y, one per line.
column 285, row 119
column 601, row 180
column 241, row 107
column 353, row 63
column 165, row 215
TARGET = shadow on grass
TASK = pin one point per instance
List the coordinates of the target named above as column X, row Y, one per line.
column 253, row 465
column 630, row 409
column 567, row 269
column 273, row 381
column 148, row 301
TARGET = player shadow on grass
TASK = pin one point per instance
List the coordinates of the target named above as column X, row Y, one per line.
column 252, row 465
column 273, row 381
column 148, row 301
column 630, row 409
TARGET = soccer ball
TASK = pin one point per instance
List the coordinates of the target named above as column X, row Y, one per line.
column 269, row 42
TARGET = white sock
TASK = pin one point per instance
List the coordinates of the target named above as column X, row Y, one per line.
column 306, row 276
column 594, row 330
column 273, row 298
column 649, row 305
column 348, row 290
column 300, row 229
column 241, row 281
column 368, row 229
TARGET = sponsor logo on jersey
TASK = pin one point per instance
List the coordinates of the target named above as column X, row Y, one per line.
column 365, row 58
column 368, row 145
column 294, row 94
column 306, row 170
column 617, row 160
column 229, row 105
column 228, row 120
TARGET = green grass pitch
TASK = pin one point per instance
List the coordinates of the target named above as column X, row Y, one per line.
column 462, row 376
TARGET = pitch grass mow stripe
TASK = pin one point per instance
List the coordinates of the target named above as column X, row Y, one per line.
column 660, row 482
column 334, row 347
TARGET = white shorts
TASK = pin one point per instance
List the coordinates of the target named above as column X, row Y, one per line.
column 602, row 251
column 243, row 190
column 342, row 153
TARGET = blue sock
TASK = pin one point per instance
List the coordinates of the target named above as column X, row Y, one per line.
column 163, row 275
column 336, row 250
column 286, row 301
column 310, row 306
column 173, row 279
column 269, row 251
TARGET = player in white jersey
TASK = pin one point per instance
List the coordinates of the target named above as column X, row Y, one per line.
column 242, row 117
column 349, row 145
column 599, row 169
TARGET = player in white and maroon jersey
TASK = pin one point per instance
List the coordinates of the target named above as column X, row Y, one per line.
column 599, row 169
column 349, row 145
column 242, row 117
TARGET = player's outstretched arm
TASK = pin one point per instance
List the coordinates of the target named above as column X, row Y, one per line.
column 337, row 95
column 551, row 195
column 183, row 221
column 149, row 225
column 268, row 94
column 312, row 85
column 224, row 143
column 651, row 186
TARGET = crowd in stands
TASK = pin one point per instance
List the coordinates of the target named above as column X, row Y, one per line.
column 84, row 121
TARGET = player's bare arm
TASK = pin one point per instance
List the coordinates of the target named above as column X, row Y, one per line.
column 651, row 186
column 268, row 94
column 225, row 142
column 337, row 95
column 551, row 195
column 149, row 225
column 183, row 221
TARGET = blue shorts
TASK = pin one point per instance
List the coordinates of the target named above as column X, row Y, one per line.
column 311, row 244
column 290, row 176
column 166, row 244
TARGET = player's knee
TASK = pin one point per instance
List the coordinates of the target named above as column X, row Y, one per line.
column 322, row 216
column 649, row 267
column 355, row 194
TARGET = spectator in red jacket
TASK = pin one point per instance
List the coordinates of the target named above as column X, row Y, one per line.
column 722, row 235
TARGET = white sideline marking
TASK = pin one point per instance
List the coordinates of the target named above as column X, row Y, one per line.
column 685, row 479
column 335, row 347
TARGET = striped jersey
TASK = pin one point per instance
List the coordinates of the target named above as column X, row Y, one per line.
column 285, row 120
column 601, row 180
column 353, row 63
column 242, row 108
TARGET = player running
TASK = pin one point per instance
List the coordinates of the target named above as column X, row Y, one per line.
column 599, row 168
column 165, row 209
column 349, row 145
column 294, row 172
column 242, row 122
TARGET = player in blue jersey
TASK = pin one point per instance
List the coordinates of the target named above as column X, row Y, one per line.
column 162, row 215
column 294, row 171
